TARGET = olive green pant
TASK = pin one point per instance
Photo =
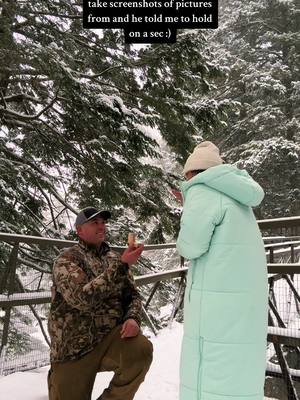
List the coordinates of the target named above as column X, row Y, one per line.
column 129, row 358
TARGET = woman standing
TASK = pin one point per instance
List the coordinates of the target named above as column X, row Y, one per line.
column 225, row 310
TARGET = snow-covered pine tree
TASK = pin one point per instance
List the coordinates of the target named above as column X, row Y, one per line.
column 260, row 43
column 179, row 79
column 77, row 116
column 64, row 121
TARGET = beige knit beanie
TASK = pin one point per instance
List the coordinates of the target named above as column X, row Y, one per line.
column 205, row 155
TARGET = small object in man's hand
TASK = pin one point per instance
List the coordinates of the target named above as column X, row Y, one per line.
column 131, row 240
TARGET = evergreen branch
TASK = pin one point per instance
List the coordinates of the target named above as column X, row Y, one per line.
column 62, row 201
column 103, row 72
column 28, row 117
column 42, row 173
column 94, row 78
column 36, row 79
column 74, row 16
column 135, row 95
column 29, row 72
column 20, row 97
column 241, row 123
column 27, row 22
column 49, row 205
column 100, row 50
column 33, row 215
column 33, row 266
column 66, row 142
column 18, row 123
column 58, row 214
column 22, row 161
column 260, row 22
column 24, row 250
column 3, row 99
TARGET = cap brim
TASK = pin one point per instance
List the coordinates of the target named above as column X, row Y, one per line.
column 103, row 214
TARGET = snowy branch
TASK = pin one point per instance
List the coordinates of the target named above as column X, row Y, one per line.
column 20, row 97
column 28, row 117
column 261, row 23
column 74, row 16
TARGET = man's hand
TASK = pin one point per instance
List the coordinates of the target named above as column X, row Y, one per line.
column 132, row 254
column 130, row 328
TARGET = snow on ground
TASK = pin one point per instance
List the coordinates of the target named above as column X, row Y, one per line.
column 161, row 381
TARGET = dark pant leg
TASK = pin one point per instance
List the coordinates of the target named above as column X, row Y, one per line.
column 130, row 359
column 74, row 380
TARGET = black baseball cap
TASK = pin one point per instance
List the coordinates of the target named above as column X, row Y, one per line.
column 89, row 213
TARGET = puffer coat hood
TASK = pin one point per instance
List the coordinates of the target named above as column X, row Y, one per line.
column 232, row 182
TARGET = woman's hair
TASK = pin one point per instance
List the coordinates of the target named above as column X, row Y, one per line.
column 198, row 171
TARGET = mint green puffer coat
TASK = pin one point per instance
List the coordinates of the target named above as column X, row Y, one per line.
column 225, row 310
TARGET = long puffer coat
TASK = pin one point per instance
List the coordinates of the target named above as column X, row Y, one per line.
column 223, row 352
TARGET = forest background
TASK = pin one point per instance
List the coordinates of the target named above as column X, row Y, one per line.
column 88, row 120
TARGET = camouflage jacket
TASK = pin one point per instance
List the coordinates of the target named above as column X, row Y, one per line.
column 93, row 291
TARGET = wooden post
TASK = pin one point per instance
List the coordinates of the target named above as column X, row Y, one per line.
column 178, row 300
column 155, row 287
column 148, row 321
column 179, row 295
column 276, row 313
column 292, row 394
column 11, row 266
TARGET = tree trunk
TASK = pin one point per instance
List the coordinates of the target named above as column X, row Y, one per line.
column 7, row 45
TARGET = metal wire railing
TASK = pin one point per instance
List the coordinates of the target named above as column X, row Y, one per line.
column 25, row 280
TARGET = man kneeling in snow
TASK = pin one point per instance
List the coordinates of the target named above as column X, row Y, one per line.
column 94, row 321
